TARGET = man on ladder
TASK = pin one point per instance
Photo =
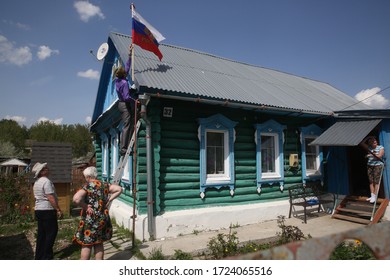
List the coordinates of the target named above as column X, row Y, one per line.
column 127, row 102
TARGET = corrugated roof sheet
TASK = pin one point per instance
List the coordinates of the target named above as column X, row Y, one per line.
column 196, row 74
column 346, row 133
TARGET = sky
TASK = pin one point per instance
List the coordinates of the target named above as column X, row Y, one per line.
column 49, row 72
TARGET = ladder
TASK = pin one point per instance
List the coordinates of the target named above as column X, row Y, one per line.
column 123, row 159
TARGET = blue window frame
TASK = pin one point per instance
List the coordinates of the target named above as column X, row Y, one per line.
column 216, row 136
column 311, row 154
column 269, row 153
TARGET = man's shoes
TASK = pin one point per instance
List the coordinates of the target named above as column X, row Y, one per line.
column 373, row 198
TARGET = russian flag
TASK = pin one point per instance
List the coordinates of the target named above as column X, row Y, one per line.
column 145, row 35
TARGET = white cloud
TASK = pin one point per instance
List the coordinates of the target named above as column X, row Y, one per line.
column 90, row 74
column 18, row 119
column 87, row 10
column 17, row 24
column 45, row 52
column 372, row 98
column 55, row 121
column 41, row 82
column 88, row 120
column 11, row 54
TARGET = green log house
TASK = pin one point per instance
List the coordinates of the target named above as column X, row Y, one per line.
column 220, row 141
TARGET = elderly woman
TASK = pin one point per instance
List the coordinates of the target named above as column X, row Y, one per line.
column 95, row 225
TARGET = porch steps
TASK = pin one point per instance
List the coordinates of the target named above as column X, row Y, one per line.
column 357, row 209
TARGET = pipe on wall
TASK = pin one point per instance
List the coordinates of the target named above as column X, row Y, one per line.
column 144, row 100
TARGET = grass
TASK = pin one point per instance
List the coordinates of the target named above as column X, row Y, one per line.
column 18, row 241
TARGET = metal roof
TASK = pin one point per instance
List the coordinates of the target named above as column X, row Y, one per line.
column 346, row 133
column 189, row 73
column 13, row 162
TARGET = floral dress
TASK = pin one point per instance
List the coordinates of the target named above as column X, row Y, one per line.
column 96, row 228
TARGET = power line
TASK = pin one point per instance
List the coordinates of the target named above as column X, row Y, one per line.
column 366, row 98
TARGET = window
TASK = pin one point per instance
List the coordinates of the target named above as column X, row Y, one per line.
column 114, row 150
column 269, row 155
column 312, row 157
column 216, row 135
column 311, row 154
column 128, row 170
column 217, row 155
column 269, row 142
column 105, row 158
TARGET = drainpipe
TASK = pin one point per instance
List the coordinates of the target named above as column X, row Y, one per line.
column 144, row 99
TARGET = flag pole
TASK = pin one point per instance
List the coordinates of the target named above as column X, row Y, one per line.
column 134, row 191
column 132, row 7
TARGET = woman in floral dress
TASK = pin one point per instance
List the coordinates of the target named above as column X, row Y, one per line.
column 95, row 224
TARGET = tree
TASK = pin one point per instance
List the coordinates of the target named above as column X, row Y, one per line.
column 81, row 139
column 12, row 132
column 78, row 135
column 8, row 150
column 13, row 137
column 46, row 131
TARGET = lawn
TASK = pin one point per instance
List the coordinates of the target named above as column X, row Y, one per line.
column 17, row 242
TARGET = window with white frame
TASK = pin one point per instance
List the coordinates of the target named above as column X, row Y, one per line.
column 312, row 156
column 270, row 160
column 217, row 155
column 114, row 150
column 127, row 171
column 216, row 136
column 269, row 153
column 105, row 158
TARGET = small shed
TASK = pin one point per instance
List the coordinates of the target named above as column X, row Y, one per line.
column 13, row 165
column 59, row 158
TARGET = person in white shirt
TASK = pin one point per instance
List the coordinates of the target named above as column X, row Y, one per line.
column 47, row 212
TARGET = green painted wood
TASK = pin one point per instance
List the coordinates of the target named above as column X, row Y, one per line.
column 179, row 186
column 176, row 158
column 182, row 144
column 245, row 169
column 180, row 169
column 179, row 162
column 179, row 153
column 178, row 177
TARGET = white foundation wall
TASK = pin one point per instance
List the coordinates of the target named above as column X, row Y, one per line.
column 175, row 223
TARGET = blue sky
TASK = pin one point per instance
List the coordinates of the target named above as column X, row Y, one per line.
column 48, row 73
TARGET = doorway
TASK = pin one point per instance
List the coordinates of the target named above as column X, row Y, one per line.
column 358, row 178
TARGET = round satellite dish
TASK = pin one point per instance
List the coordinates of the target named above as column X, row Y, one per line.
column 102, row 51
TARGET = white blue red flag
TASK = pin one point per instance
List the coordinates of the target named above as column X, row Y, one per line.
column 145, row 35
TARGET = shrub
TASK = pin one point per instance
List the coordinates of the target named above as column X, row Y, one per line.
column 223, row 245
column 289, row 233
column 15, row 197
column 352, row 250
column 180, row 255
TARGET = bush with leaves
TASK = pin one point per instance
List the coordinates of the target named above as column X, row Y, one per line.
column 15, row 197
column 223, row 245
column 289, row 233
column 352, row 250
